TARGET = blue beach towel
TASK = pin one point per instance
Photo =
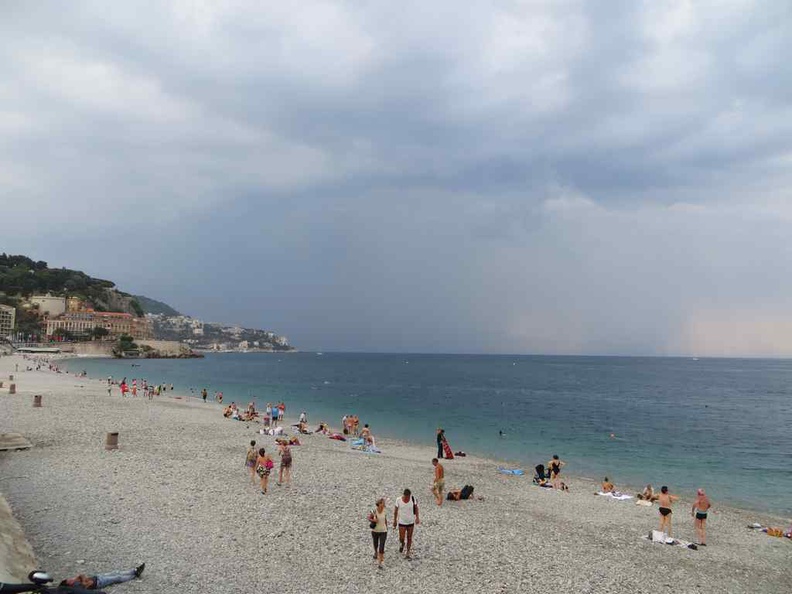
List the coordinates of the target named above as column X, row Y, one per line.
column 512, row 471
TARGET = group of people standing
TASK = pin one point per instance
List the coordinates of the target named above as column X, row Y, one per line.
column 260, row 464
column 149, row 390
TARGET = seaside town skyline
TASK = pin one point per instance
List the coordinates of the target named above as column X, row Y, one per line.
column 542, row 178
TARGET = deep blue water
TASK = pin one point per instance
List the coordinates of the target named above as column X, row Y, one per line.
column 721, row 424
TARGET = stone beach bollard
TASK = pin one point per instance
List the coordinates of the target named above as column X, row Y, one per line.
column 12, row 389
column 11, row 378
column 111, row 441
column 37, row 401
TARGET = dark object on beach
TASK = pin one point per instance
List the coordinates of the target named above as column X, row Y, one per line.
column 464, row 493
column 460, row 454
column 38, row 583
column 111, row 441
column 37, row 401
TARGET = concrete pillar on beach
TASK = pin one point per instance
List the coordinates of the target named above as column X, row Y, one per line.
column 37, row 401
column 11, row 378
column 12, row 389
column 111, row 441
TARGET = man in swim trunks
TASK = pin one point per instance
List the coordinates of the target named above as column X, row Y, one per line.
column 665, row 500
column 699, row 512
column 439, row 481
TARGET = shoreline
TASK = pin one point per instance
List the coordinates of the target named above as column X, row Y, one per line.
column 176, row 492
column 627, row 487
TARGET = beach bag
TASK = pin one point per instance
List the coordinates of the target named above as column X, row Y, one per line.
column 269, row 464
column 372, row 520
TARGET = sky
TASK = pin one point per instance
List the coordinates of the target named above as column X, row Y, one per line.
column 537, row 177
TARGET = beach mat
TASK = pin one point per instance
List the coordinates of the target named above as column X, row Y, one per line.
column 615, row 496
column 511, row 471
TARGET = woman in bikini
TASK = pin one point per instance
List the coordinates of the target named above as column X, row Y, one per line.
column 555, row 471
column 264, row 466
column 699, row 512
column 665, row 500
column 250, row 461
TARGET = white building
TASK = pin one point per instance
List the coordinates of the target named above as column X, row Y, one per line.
column 49, row 305
column 7, row 320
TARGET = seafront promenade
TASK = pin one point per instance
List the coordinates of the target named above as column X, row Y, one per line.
column 176, row 496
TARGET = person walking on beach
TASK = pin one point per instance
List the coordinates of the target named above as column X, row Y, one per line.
column 264, row 466
column 378, row 521
column 665, row 500
column 699, row 512
column 285, row 464
column 555, row 466
column 250, row 460
column 440, row 439
column 406, row 517
column 439, row 481
column 203, row 394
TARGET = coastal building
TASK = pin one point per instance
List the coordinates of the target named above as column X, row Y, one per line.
column 49, row 306
column 74, row 305
column 117, row 324
column 281, row 341
column 7, row 320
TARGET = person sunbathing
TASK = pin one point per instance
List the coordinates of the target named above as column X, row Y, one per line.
column 462, row 494
column 607, row 486
column 647, row 495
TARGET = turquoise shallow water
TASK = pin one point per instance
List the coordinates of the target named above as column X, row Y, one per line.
column 721, row 424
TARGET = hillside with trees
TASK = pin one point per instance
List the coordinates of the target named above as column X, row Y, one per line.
column 21, row 277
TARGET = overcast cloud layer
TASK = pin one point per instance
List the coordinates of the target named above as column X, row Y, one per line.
column 510, row 177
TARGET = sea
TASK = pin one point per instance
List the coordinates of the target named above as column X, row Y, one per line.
column 721, row 424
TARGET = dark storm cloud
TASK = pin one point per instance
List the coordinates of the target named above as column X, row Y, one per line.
column 511, row 177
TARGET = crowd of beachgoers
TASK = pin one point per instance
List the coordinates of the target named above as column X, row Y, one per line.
column 332, row 497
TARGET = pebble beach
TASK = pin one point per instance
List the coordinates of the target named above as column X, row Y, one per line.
column 176, row 496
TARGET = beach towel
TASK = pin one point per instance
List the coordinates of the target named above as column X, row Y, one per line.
column 644, row 502
column 657, row 537
column 512, row 471
column 366, row 449
column 615, row 495
column 337, row 437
